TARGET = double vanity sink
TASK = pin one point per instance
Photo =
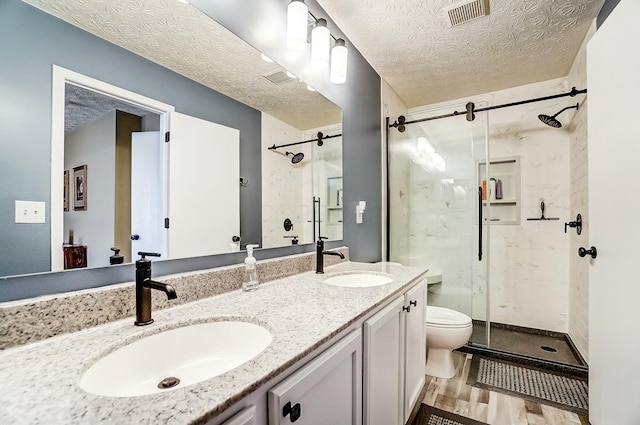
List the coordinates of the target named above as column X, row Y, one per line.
column 197, row 359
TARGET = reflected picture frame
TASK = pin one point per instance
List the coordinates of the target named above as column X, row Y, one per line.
column 65, row 191
column 80, row 188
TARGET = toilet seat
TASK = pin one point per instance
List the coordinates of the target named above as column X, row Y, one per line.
column 433, row 276
column 446, row 318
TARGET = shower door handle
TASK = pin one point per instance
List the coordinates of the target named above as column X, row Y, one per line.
column 479, row 223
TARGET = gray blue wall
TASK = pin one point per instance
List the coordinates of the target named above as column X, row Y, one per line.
column 27, row 50
column 606, row 10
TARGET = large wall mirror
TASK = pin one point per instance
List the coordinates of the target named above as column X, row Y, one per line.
column 262, row 186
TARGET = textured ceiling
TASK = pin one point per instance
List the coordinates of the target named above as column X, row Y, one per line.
column 82, row 106
column 183, row 39
column 410, row 44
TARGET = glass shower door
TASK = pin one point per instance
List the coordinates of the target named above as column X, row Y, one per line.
column 434, row 206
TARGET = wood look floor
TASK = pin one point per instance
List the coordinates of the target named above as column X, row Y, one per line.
column 454, row 395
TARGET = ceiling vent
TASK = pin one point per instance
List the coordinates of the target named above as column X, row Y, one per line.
column 279, row 77
column 466, row 11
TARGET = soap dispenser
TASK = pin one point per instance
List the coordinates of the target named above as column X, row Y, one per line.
column 251, row 282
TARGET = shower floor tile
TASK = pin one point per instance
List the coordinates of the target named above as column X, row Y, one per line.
column 526, row 342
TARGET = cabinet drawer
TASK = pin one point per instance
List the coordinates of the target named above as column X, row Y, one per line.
column 328, row 390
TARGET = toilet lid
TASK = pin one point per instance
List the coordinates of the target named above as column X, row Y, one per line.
column 444, row 316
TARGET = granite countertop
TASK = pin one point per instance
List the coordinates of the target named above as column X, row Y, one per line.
column 40, row 380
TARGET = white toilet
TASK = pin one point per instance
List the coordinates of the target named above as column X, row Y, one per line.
column 446, row 330
column 433, row 276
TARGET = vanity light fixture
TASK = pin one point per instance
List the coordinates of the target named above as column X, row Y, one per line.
column 321, row 52
column 339, row 62
column 297, row 25
column 320, row 43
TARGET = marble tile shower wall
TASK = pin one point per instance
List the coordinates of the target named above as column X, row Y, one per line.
column 392, row 107
column 327, row 163
column 578, row 268
column 529, row 273
column 399, row 199
column 528, row 262
column 283, row 183
column 441, row 230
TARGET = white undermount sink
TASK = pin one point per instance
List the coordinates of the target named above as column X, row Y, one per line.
column 191, row 354
column 358, row 280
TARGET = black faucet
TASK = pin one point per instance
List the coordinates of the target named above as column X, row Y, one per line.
column 144, row 285
column 320, row 253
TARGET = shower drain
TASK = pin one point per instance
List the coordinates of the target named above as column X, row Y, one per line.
column 549, row 349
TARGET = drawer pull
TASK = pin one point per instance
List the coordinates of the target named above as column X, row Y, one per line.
column 294, row 411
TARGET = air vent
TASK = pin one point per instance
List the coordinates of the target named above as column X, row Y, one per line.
column 279, row 77
column 466, row 11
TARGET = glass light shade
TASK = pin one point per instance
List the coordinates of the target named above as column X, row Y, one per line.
column 439, row 162
column 422, row 145
column 320, row 43
column 339, row 62
column 297, row 13
column 425, row 148
column 266, row 58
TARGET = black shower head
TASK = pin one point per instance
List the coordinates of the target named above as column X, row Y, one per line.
column 296, row 157
column 552, row 121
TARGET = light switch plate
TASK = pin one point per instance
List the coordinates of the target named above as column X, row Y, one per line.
column 30, row 212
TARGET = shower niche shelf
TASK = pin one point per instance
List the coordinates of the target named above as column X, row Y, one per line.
column 506, row 210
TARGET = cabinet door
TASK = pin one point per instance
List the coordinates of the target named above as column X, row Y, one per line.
column 328, row 390
column 383, row 387
column 244, row 417
column 415, row 344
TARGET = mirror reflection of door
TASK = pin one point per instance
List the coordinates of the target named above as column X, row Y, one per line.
column 98, row 133
column 146, row 218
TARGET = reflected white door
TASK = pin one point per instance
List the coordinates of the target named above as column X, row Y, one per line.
column 147, row 221
column 614, row 228
column 204, row 187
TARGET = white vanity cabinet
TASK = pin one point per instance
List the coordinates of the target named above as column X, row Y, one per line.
column 370, row 375
column 394, row 358
column 415, row 348
column 327, row 390
column 246, row 416
column 383, row 359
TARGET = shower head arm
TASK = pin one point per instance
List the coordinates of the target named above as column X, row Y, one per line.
column 576, row 106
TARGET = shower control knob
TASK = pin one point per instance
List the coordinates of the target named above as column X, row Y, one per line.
column 593, row 252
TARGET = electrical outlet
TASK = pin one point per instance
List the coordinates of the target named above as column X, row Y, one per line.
column 30, row 212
